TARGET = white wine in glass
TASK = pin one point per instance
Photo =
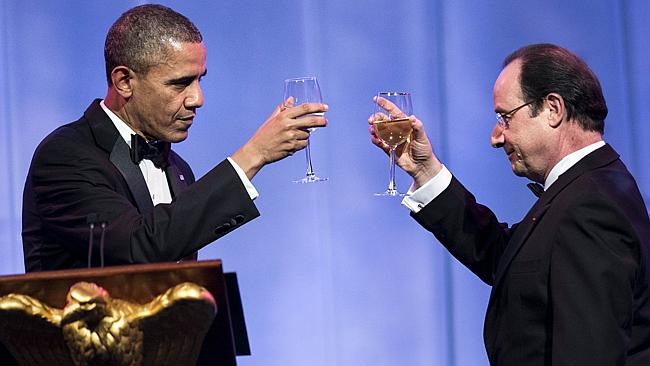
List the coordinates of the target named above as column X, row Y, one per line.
column 393, row 127
column 393, row 132
column 305, row 90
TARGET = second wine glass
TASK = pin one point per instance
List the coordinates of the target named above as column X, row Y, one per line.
column 393, row 127
column 305, row 90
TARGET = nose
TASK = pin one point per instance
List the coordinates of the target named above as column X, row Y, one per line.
column 496, row 139
column 194, row 97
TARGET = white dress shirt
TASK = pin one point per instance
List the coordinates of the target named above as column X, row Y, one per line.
column 569, row 161
column 154, row 177
column 416, row 200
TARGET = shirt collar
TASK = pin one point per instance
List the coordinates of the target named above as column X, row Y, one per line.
column 124, row 129
column 569, row 161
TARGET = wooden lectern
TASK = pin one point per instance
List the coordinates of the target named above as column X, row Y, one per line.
column 226, row 337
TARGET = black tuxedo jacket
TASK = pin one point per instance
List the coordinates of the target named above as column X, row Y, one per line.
column 570, row 281
column 82, row 171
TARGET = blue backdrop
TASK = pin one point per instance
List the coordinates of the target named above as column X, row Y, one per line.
column 331, row 275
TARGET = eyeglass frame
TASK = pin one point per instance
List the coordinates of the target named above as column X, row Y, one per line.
column 503, row 118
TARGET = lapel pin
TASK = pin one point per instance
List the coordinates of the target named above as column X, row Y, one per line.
column 181, row 177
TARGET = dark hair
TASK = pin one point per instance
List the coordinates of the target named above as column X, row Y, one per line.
column 547, row 68
column 139, row 38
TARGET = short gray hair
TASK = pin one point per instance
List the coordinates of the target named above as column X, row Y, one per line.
column 139, row 38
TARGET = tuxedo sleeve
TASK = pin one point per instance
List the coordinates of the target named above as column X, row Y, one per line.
column 71, row 179
column 470, row 231
column 210, row 208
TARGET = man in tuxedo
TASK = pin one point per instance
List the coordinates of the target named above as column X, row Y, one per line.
column 570, row 281
column 107, row 189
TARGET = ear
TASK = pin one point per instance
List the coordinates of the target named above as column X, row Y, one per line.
column 122, row 78
column 556, row 108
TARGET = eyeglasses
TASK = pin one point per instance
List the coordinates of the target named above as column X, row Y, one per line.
column 503, row 119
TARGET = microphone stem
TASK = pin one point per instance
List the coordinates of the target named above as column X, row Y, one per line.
column 101, row 245
column 90, row 243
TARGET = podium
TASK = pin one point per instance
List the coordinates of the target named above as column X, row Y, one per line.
column 226, row 337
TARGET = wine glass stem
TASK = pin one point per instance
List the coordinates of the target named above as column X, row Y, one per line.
column 392, row 187
column 310, row 170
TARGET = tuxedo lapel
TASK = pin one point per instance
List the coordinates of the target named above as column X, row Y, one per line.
column 108, row 138
column 176, row 179
column 178, row 182
column 519, row 237
column 121, row 158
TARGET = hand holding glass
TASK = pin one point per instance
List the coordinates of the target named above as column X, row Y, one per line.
column 305, row 90
column 393, row 127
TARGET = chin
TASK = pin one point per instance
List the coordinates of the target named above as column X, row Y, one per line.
column 178, row 137
column 518, row 170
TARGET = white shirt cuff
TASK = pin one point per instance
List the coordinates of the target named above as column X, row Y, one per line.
column 416, row 200
column 252, row 192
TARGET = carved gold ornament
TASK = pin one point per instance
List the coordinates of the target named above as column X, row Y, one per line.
column 95, row 329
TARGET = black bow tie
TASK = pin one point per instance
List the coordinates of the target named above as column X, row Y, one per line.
column 156, row 151
column 536, row 188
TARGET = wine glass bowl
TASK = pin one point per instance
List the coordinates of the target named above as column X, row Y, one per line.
column 305, row 90
column 393, row 127
column 393, row 132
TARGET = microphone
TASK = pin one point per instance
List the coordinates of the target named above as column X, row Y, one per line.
column 92, row 220
column 101, row 245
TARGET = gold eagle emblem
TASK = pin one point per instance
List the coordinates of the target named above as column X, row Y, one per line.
column 95, row 329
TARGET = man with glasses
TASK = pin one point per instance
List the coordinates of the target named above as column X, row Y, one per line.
column 570, row 281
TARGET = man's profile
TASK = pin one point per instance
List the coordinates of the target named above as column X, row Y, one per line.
column 112, row 175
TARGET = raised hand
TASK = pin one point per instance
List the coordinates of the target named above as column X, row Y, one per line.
column 281, row 135
column 416, row 156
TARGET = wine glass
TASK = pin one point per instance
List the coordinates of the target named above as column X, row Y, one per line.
column 305, row 90
column 393, row 127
